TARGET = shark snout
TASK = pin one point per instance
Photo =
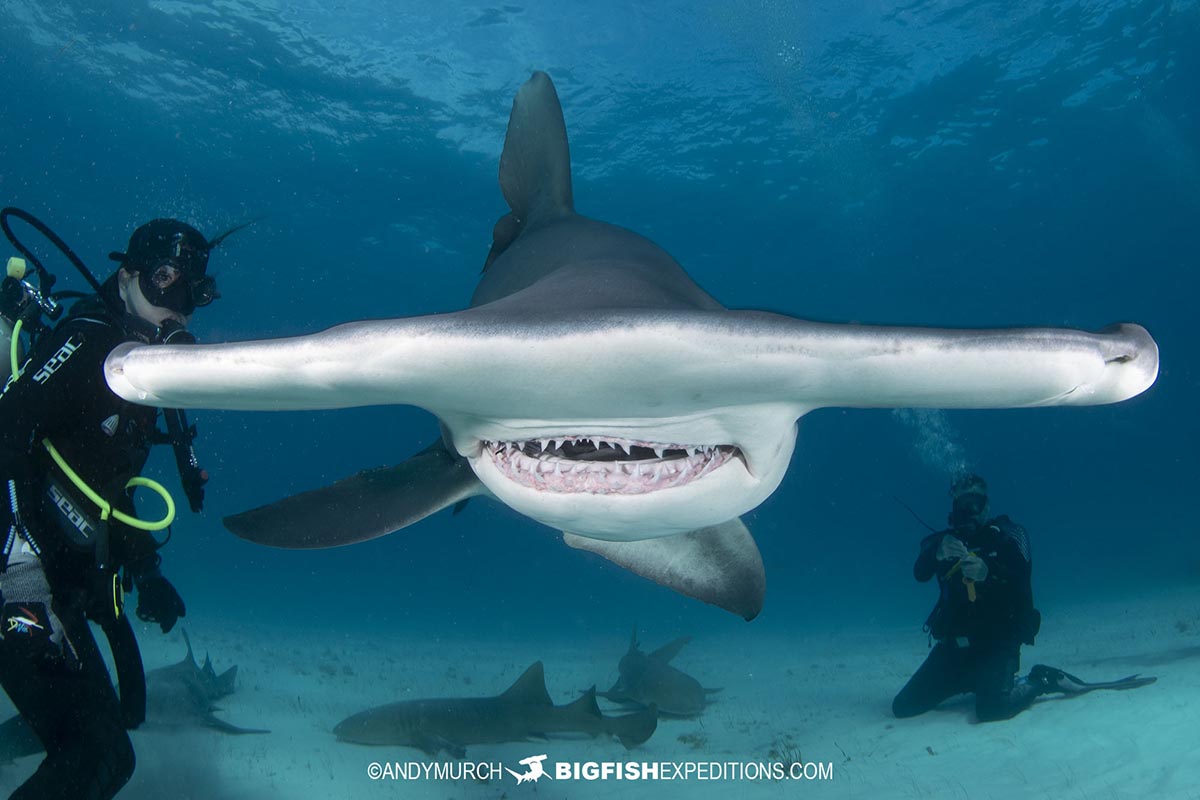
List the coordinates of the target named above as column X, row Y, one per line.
column 1130, row 366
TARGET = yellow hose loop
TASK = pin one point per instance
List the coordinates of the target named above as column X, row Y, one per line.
column 106, row 509
column 12, row 350
column 162, row 492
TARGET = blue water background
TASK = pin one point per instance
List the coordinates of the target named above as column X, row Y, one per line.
column 920, row 163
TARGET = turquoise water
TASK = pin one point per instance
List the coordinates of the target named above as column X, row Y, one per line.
column 926, row 163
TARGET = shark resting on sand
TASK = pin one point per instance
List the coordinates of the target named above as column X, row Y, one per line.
column 648, row 679
column 180, row 695
column 184, row 694
column 595, row 388
column 525, row 711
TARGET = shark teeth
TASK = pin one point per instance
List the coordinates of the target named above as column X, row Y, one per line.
column 595, row 465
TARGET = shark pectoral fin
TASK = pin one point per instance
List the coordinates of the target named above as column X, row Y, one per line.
column 634, row 729
column 720, row 564
column 616, row 691
column 225, row 683
column 669, row 650
column 432, row 744
column 225, row 727
column 369, row 505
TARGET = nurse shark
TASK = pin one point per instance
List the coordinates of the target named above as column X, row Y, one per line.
column 594, row 387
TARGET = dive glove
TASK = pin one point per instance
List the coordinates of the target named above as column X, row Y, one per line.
column 158, row 601
column 951, row 548
column 974, row 568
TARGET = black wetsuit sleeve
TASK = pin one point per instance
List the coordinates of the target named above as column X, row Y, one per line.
column 926, row 563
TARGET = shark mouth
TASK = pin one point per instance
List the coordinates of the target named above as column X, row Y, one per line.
column 591, row 465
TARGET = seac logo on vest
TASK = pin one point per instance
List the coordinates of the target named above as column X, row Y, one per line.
column 57, row 360
column 70, row 513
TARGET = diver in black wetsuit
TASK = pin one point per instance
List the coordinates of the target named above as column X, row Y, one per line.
column 983, row 615
column 60, row 562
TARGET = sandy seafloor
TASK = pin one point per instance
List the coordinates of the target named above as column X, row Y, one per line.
column 824, row 694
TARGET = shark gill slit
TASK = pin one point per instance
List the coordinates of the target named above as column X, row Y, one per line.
column 599, row 465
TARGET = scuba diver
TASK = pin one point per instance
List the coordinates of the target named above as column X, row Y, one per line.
column 70, row 451
column 983, row 615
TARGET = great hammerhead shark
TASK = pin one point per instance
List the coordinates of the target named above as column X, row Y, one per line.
column 594, row 387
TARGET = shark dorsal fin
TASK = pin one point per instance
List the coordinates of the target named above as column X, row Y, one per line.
column 586, row 704
column 190, row 658
column 670, row 649
column 530, row 688
column 535, row 166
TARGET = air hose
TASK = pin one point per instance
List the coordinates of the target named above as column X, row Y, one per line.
column 106, row 509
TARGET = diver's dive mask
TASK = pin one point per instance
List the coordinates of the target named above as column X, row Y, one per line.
column 968, row 509
column 969, row 500
column 171, row 260
column 170, row 284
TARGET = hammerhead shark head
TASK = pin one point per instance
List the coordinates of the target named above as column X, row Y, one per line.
column 525, row 711
column 648, row 679
column 594, row 387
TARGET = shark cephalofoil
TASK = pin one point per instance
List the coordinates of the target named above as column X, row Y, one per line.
column 594, row 387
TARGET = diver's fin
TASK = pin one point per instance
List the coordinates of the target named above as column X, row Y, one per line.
column 369, row 505
column 1057, row 680
column 535, row 165
column 719, row 565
